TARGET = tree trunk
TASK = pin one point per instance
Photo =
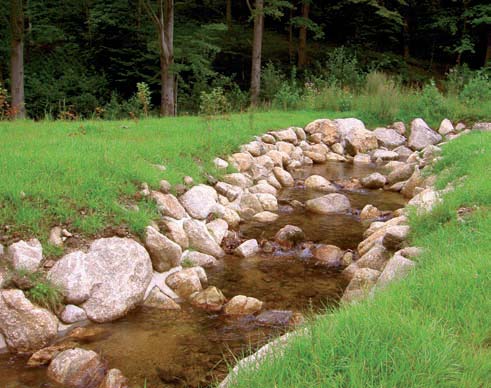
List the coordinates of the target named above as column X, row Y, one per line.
column 257, row 44
column 290, row 38
column 302, row 38
column 228, row 15
column 487, row 58
column 406, row 37
column 17, row 59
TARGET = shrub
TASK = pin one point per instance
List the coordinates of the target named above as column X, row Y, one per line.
column 287, row 97
column 431, row 103
column 477, row 90
column 341, row 68
column 143, row 95
column 214, row 102
column 272, row 80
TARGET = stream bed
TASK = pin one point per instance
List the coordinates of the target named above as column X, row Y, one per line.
column 190, row 347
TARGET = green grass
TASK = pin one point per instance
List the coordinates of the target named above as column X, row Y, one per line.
column 81, row 174
column 431, row 330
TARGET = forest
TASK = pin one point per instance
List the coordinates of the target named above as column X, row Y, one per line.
column 79, row 59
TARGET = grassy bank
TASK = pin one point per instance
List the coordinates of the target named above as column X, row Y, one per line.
column 80, row 173
column 431, row 330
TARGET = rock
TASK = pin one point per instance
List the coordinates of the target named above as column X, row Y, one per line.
column 25, row 326
column 168, row 205
column 389, row 138
column 250, row 201
column 201, row 239
column 360, row 141
column 286, row 148
column 425, row 201
column 200, row 259
column 362, row 159
column 287, row 135
column 369, row 212
column 114, row 379
column 242, row 161
column 72, row 314
column 268, row 202
column 277, row 318
column 175, row 231
column 481, row 126
column 88, row 334
column 376, row 258
column 165, row 254
column 247, row 248
column 346, row 126
column 412, row 184
column 265, row 217
column 363, row 281
column 242, row 305
column 289, row 236
column 446, row 127
column 377, row 236
column 220, row 164
column 26, row 255
column 211, row 299
column 395, row 237
column 319, row 183
column 328, row 254
column 263, row 188
column 374, row 181
column 217, row 228
column 327, row 130
column 338, row 148
column 301, row 135
column 284, row 177
column 55, row 237
column 403, row 152
column 111, row 278
column 45, row 355
column 384, row 155
column 157, row 299
column 2, row 251
column 411, row 252
column 277, row 157
column 330, row 203
column 187, row 180
column 237, row 179
column 332, row 157
column 227, row 190
column 400, row 173
column 255, row 148
column 200, row 201
column 231, row 217
column 77, row 368
column 399, row 127
column 397, row 268
column 422, row 135
column 187, row 281
column 164, row 186
column 460, row 127
column 268, row 139
column 316, row 157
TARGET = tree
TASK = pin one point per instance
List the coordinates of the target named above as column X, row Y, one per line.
column 163, row 19
column 228, row 14
column 17, row 58
column 302, row 36
column 257, row 45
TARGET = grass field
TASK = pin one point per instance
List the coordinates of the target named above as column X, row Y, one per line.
column 431, row 330
column 80, row 173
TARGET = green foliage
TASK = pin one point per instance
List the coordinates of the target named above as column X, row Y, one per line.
column 341, row 68
column 143, row 95
column 187, row 263
column 214, row 103
column 477, row 89
column 431, row 102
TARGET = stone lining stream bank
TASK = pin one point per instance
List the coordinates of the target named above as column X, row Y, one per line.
column 198, row 233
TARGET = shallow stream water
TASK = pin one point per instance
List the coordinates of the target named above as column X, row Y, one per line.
column 191, row 348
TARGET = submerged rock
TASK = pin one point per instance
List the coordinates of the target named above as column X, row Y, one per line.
column 243, row 305
column 289, row 236
column 328, row 254
column 330, row 203
column 211, row 299
column 77, row 368
column 45, row 355
column 158, row 300
column 25, row 326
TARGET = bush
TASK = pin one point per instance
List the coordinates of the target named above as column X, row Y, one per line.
column 214, row 102
column 272, row 80
column 287, row 97
column 431, row 103
column 477, row 90
column 341, row 68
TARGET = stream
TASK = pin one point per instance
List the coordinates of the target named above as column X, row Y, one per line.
column 192, row 348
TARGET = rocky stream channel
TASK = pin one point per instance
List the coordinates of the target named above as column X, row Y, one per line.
column 313, row 217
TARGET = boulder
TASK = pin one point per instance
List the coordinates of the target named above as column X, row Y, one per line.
column 362, row 159
column 328, row 254
column 114, row 379
column 111, row 278
column 482, row 126
column 425, row 200
column 319, row 183
column 201, row 239
column 327, row 129
column 403, row 152
column 220, row 163
column 231, row 217
column 158, row 300
column 268, row 139
column 397, row 268
column 165, row 253
column 400, row 173
column 175, row 231
column 376, row 258
column 389, row 138
column 277, row 318
column 237, row 179
column 422, row 135
column 211, row 299
column 284, row 147
column 200, row 201
column 25, row 326
column 316, row 157
column 287, row 135
column 373, row 181
column 242, row 305
column 168, row 205
column 217, row 228
column 200, row 259
column 289, row 236
column 265, row 217
column 45, row 355
column 242, row 161
column 346, row 126
column 255, row 148
column 284, row 177
column 77, row 368
column 360, row 141
column 399, row 127
column 446, row 127
column 412, row 184
column 384, row 155
column 369, row 212
column 55, row 237
column 364, row 279
column 395, row 237
column 187, row 281
column 330, row 203
column 247, row 248
column 263, row 188
column 25, row 255
column 268, row 202
column 72, row 314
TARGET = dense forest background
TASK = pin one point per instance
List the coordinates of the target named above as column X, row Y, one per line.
column 94, row 58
